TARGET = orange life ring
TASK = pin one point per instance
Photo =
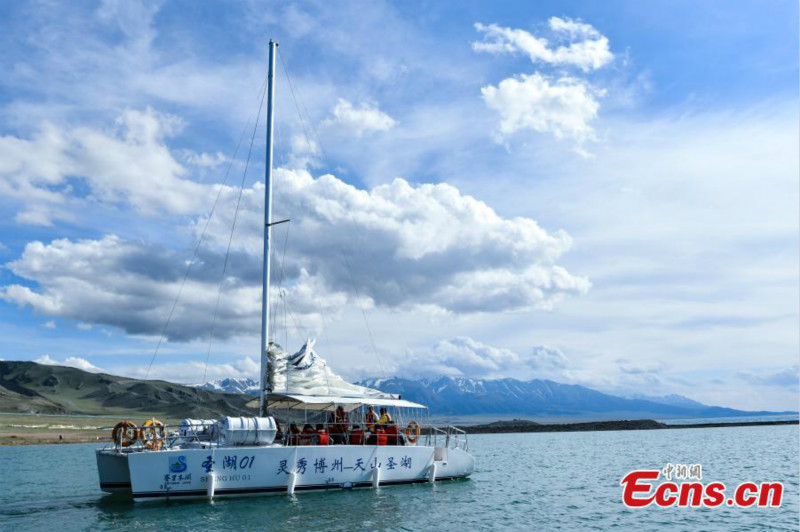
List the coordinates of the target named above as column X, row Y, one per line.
column 152, row 434
column 413, row 430
column 124, row 433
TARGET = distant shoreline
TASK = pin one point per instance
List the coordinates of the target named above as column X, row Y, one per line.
column 522, row 426
column 65, row 430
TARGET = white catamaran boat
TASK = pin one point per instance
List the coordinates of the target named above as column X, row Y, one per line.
column 313, row 431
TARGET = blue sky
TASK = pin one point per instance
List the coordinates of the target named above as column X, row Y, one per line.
column 597, row 193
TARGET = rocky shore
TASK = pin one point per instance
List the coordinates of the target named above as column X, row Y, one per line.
column 521, row 425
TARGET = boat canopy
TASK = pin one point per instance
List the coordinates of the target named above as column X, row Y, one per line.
column 328, row 402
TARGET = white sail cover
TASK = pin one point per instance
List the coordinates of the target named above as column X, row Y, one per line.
column 307, row 373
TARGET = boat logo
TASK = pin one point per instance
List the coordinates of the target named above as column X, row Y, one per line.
column 178, row 465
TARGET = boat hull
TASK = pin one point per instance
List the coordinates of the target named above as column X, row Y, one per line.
column 112, row 467
column 234, row 471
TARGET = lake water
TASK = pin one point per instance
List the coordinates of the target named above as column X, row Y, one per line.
column 551, row 481
column 740, row 419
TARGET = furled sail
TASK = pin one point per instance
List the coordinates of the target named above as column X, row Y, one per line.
column 307, row 373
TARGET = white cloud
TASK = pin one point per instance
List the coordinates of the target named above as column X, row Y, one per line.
column 205, row 160
column 304, row 153
column 544, row 357
column 101, row 60
column 131, row 164
column 195, row 372
column 72, row 362
column 46, row 359
column 564, row 107
column 361, row 119
column 423, row 247
column 410, row 245
column 34, row 217
column 464, row 357
column 708, row 228
column 50, row 324
column 113, row 282
column 587, row 49
column 190, row 372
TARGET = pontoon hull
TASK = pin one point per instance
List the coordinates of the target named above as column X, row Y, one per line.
column 260, row 470
column 113, row 470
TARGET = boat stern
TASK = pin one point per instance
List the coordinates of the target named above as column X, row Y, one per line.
column 112, row 468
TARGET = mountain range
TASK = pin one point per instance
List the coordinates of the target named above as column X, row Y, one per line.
column 231, row 385
column 460, row 397
column 28, row 387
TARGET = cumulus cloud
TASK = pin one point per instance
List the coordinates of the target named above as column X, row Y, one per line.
column 72, row 362
column 127, row 285
column 360, row 119
column 304, row 153
column 128, row 164
column 464, row 357
column 587, row 49
column 190, row 372
column 410, row 245
column 564, row 106
column 544, row 357
column 195, row 372
column 404, row 246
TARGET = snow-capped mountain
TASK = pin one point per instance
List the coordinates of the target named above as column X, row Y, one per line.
column 460, row 396
column 671, row 399
column 231, row 385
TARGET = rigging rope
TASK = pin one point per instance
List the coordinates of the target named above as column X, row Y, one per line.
column 233, row 228
column 363, row 312
column 196, row 249
column 199, row 243
column 300, row 114
column 319, row 144
column 280, row 279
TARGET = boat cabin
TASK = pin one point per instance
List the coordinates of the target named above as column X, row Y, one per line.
column 325, row 420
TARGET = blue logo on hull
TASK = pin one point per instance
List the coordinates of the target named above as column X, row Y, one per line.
column 178, row 465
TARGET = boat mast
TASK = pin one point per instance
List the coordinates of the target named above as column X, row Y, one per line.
column 262, row 402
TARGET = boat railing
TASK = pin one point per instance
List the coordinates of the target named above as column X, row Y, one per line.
column 450, row 437
column 167, row 436
column 457, row 438
column 162, row 436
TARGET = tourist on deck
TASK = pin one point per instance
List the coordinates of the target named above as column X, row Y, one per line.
column 321, row 435
column 338, row 430
column 385, row 418
column 294, row 434
column 370, row 418
column 307, row 436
